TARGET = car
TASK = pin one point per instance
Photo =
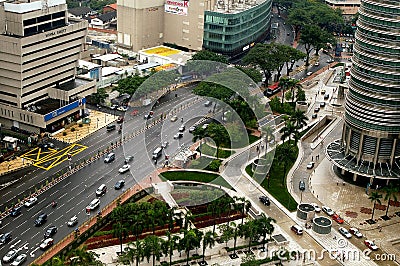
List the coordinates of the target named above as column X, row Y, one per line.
column 316, row 109
column 111, row 127
column 337, row 218
column 316, row 63
column 204, row 126
column 41, row 219
column 302, row 185
column 314, row 115
column 48, row 242
column 114, row 106
column 101, row 190
column 122, row 108
column 15, row 211
column 297, row 229
column 310, row 165
column 264, row 200
column 344, row 232
column 327, row 210
column 72, row 221
column 174, row 118
column 128, row 158
column 330, row 60
column 164, row 144
column 316, row 207
column 149, row 115
column 355, row 232
column 178, row 135
column 10, row 256
column 323, row 91
column 5, row 238
column 119, row 184
column 109, row 157
column 326, row 96
column 207, row 103
column 120, row 119
column 124, row 168
column 191, row 129
column 309, row 73
column 322, row 104
column 50, row 231
column 31, row 202
column 19, row 260
column 371, row 245
column 181, row 128
column 94, row 204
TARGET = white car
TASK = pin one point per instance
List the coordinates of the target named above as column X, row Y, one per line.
column 73, row 221
column 309, row 73
column 19, row 260
column 122, row 108
column 10, row 256
column 316, row 64
column 48, row 242
column 328, row 210
column 344, row 232
column 31, row 202
column 310, row 165
column 174, row 118
column 371, row 245
column 316, row 207
column 124, row 168
column 191, row 129
column 93, row 205
column 355, row 232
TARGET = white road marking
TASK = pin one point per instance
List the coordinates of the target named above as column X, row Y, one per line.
column 35, row 235
column 32, row 254
column 25, row 231
column 20, row 224
column 55, row 220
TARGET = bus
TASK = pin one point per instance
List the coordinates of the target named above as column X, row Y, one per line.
column 272, row 89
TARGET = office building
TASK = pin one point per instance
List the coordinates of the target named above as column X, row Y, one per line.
column 39, row 52
column 370, row 145
column 226, row 27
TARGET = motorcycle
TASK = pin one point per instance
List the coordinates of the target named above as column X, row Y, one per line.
column 53, row 204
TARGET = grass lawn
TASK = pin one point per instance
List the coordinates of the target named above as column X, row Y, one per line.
column 195, row 176
column 277, row 184
column 208, row 150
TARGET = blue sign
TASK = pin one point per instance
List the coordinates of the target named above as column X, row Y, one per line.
column 64, row 109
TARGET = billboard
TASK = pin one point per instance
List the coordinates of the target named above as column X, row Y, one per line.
column 64, row 109
column 177, row 7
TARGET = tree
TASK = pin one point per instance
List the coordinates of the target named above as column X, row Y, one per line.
column 299, row 119
column 288, row 130
column 83, row 257
column 283, row 84
column 191, row 239
column 134, row 251
column 300, row 95
column 249, row 231
column 374, row 198
column 208, row 240
column 313, row 37
column 293, row 84
column 390, row 193
column 211, row 56
column 120, row 231
column 243, row 205
column 213, row 90
column 226, row 232
column 264, row 225
column 285, row 155
column 100, row 96
column 218, row 134
column 253, row 73
column 199, row 134
column 152, row 248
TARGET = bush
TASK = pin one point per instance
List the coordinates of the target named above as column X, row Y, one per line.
column 64, row 133
column 72, row 129
column 80, row 125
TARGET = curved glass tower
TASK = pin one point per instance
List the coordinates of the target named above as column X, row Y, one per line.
column 370, row 144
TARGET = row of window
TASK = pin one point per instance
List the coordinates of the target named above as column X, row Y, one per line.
column 375, row 61
column 372, row 87
column 44, row 27
column 373, row 73
column 394, row 129
column 32, row 21
column 371, row 100
column 393, row 24
column 394, row 11
column 380, row 36
column 373, row 48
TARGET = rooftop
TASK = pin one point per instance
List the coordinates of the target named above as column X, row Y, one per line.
column 235, row 6
column 80, row 10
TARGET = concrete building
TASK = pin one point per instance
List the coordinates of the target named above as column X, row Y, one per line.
column 39, row 52
column 226, row 27
column 348, row 7
column 370, row 145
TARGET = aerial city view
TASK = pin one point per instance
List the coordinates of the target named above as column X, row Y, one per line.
column 222, row 132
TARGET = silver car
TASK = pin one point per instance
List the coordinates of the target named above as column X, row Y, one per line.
column 19, row 260
column 10, row 256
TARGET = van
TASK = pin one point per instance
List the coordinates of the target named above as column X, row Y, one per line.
column 101, row 190
column 109, row 157
column 157, row 153
column 94, row 204
column 297, row 229
column 111, row 127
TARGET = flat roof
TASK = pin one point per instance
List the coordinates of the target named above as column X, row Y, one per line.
column 88, row 65
column 73, row 84
column 107, row 57
column 161, row 50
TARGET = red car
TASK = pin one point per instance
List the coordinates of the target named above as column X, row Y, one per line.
column 371, row 245
column 46, row 243
column 337, row 219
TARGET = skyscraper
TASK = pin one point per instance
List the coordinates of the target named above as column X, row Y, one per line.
column 370, row 145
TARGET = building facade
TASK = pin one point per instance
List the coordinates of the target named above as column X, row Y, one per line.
column 226, row 27
column 349, row 8
column 39, row 52
column 370, row 144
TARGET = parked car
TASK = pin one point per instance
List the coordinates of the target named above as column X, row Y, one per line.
column 191, row 129
column 323, row 91
column 31, row 202
column 322, row 104
column 94, row 204
column 120, row 119
column 337, row 218
column 111, row 127
column 327, row 210
column 316, row 109
column 309, row 73
column 326, row 96
column 316, row 63
column 124, row 168
column 19, row 260
column 114, row 106
column 207, row 103
column 316, row 207
column 5, row 238
column 314, row 115
column 73, row 221
column 46, row 243
column 178, row 135
column 181, row 128
column 128, row 158
column 310, row 165
column 371, row 245
column 355, row 232
column 16, row 211
column 297, row 229
column 119, row 184
column 174, row 118
column 10, row 256
column 302, row 185
column 344, row 232
column 164, row 144
column 41, row 219
column 50, row 231
column 264, row 200
column 101, row 190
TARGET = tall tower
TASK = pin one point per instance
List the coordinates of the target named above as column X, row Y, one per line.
column 370, row 144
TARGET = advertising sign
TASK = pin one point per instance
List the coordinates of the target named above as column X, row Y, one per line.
column 64, row 109
column 177, row 7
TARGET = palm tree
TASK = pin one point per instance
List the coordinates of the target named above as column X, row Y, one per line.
column 374, row 198
column 218, row 133
column 168, row 246
column 248, row 230
column 288, row 130
column 83, row 257
column 285, row 155
column 120, row 231
column 294, row 84
column 243, row 205
column 134, row 251
column 198, row 134
column 152, row 248
column 208, row 240
column 299, row 118
column 265, row 226
column 390, row 193
column 191, row 239
column 226, row 232
column 283, row 83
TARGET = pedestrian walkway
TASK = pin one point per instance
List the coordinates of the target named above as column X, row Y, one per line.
column 13, row 165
